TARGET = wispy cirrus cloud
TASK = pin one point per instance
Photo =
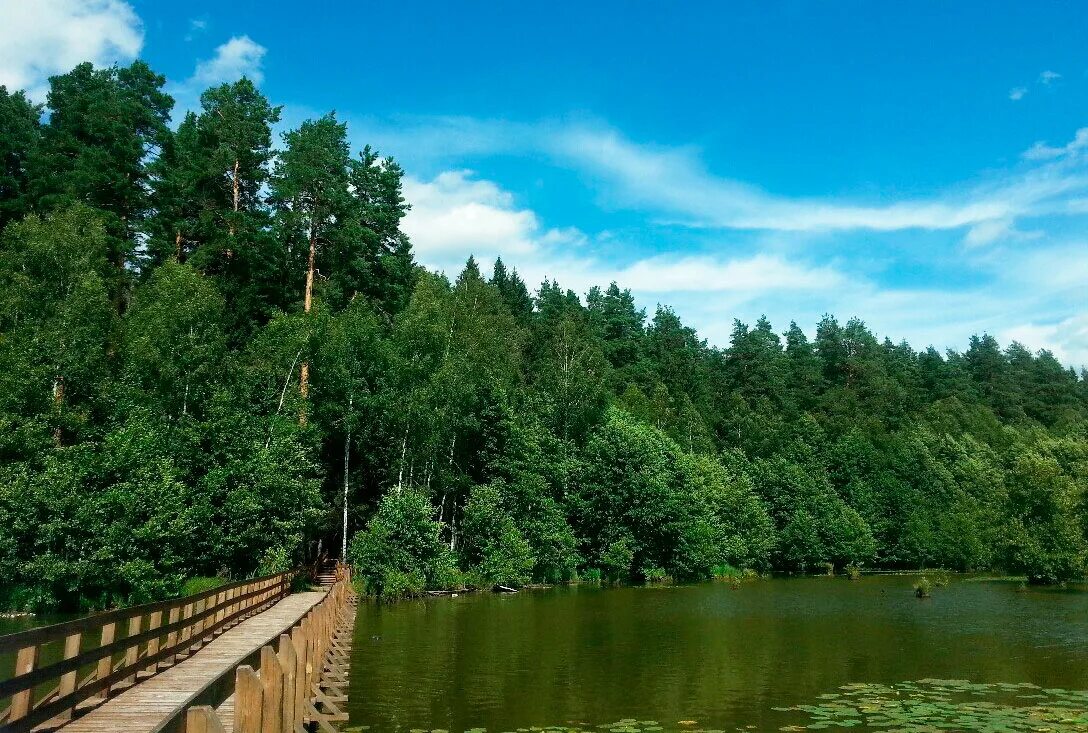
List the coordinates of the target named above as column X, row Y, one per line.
column 1041, row 151
column 672, row 184
column 1024, row 294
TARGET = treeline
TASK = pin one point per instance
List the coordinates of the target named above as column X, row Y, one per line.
column 207, row 338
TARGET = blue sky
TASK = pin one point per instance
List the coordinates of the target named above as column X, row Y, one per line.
column 921, row 169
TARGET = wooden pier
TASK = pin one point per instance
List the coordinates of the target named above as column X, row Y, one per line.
column 173, row 676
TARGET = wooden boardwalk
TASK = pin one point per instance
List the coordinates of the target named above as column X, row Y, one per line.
column 156, row 703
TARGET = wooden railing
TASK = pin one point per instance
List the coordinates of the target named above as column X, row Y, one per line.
column 297, row 683
column 96, row 662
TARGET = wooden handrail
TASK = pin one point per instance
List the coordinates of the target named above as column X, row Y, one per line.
column 280, row 696
column 44, row 634
column 190, row 620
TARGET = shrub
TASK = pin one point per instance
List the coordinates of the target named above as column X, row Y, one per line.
column 494, row 550
column 193, row 586
column 655, row 575
column 616, row 559
column 725, row 572
column 590, row 575
column 276, row 559
column 400, row 545
column 398, row 585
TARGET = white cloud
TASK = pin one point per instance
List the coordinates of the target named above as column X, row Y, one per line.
column 672, row 185
column 761, row 273
column 1048, row 77
column 1017, row 93
column 196, row 26
column 1041, row 151
column 791, row 263
column 1066, row 339
column 455, row 214
column 238, row 57
column 40, row 38
column 673, row 182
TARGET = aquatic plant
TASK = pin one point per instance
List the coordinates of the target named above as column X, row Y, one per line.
column 853, row 571
column 923, row 587
column 932, row 704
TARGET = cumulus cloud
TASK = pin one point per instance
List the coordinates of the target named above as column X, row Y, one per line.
column 41, row 38
column 455, row 214
column 238, row 57
column 1017, row 93
column 1067, row 339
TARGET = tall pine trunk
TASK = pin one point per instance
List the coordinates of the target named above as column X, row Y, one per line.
column 307, row 304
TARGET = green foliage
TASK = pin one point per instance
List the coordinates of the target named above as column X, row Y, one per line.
column 194, row 586
column 1045, row 536
column 400, row 549
column 494, row 550
column 153, row 428
column 923, row 587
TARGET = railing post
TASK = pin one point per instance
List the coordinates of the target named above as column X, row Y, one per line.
column 298, row 640
column 133, row 652
column 25, row 662
column 172, row 637
column 202, row 719
column 272, row 692
column 220, row 599
column 196, row 634
column 72, row 644
column 286, row 656
column 105, row 664
column 247, row 701
column 153, row 623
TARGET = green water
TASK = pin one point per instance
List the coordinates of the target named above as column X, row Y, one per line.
column 584, row 657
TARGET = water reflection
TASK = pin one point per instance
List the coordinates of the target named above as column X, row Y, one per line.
column 722, row 657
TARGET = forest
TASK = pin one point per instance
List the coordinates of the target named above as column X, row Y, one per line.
column 212, row 333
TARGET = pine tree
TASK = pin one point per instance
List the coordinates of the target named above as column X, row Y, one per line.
column 20, row 133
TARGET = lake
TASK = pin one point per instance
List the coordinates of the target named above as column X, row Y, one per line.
column 708, row 657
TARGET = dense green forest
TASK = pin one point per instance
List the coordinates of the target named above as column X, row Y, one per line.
column 208, row 335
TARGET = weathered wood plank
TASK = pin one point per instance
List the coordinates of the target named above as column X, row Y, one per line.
column 156, row 700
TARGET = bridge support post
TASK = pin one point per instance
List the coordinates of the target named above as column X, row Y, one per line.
column 248, row 701
column 202, row 719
